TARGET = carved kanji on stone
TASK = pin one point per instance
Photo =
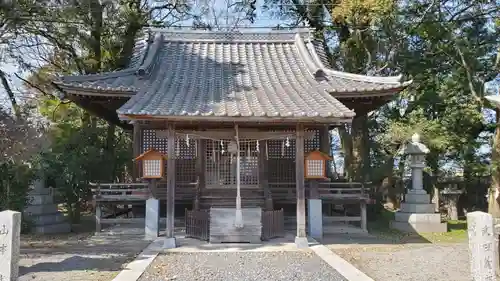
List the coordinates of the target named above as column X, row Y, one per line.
column 4, row 230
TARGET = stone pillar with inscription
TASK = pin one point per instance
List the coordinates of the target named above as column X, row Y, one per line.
column 10, row 233
column 482, row 245
column 417, row 213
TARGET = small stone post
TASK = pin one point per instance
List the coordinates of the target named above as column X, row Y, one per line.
column 10, row 233
column 482, row 246
column 314, row 211
column 152, row 225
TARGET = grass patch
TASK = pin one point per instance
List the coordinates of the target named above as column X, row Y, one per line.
column 457, row 232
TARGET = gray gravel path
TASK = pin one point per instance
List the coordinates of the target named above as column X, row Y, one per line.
column 76, row 258
column 411, row 262
column 240, row 266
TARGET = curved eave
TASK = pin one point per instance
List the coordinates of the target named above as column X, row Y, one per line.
column 317, row 68
column 385, row 92
column 95, row 91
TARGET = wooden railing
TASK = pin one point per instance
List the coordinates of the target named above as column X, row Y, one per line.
column 273, row 224
column 117, row 192
column 198, row 224
column 345, row 193
column 120, row 191
column 335, row 193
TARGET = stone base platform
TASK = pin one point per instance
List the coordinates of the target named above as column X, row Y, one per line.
column 417, row 215
column 419, row 227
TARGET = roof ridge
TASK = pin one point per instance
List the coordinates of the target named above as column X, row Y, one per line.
column 148, row 59
column 237, row 31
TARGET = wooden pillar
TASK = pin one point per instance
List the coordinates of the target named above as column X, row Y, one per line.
column 263, row 176
column 325, row 146
column 313, row 189
column 170, row 240
column 136, row 149
column 200, row 171
column 301, row 238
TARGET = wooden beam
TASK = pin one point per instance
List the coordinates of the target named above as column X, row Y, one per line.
column 299, row 178
column 170, row 181
column 229, row 134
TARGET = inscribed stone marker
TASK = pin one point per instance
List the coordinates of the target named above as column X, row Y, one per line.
column 10, row 232
column 481, row 246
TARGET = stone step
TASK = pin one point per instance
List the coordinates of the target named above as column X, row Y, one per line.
column 417, row 198
column 40, row 199
column 47, row 219
column 417, row 218
column 34, row 210
column 52, row 228
column 419, row 227
column 417, row 208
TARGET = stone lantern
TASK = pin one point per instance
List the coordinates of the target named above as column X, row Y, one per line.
column 417, row 213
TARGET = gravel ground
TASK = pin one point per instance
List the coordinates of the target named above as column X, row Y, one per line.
column 76, row 257
column 410, row 262
column 240, row 266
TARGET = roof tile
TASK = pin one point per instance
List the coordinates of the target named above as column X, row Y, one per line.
column 275, row 74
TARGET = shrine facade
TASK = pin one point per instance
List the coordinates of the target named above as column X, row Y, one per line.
column 230, row 119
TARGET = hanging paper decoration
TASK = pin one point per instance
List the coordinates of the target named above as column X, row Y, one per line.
column 257, row 146
column 282, row 149
column 287, row 142
column 222, row 147
column 187, row 140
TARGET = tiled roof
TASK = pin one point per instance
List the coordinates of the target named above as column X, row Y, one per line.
column 261, row 74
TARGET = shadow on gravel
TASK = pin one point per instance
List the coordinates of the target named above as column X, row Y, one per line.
column 75, row 263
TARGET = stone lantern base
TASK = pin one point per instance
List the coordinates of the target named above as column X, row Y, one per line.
column 417, row 215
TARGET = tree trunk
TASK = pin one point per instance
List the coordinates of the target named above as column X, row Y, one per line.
column 6, row 86
column 360, row 149
column 346, row 140
column 110, row 150
column 493, row 202
column 432, row 161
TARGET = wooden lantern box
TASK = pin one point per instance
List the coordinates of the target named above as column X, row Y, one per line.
column 315, row 165
column 153, row 164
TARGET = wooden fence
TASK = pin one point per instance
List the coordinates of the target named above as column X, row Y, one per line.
column 273, row 224
column 198, row 224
